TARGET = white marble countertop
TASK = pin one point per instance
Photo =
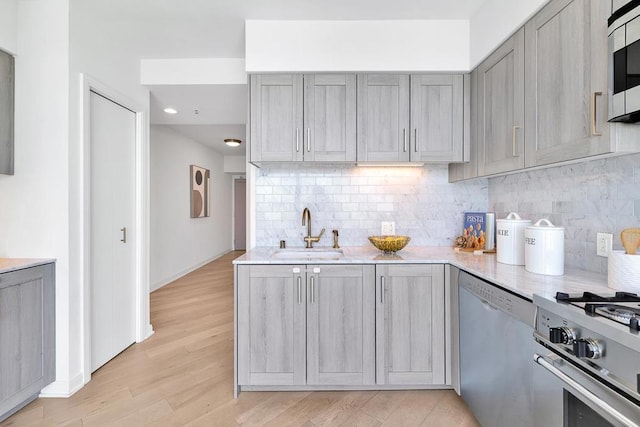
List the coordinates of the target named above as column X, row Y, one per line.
column 13, row 264
column 513, row 278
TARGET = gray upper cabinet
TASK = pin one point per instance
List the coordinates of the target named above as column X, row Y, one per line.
column 340, row 325
column 330, row 117
column 410, row 324
column 27, row 335
column 6, row 113
column 566, row 88
column 383, row 118
column 437, row 118
column 500, row 108
column 469, row 169
column 276, row 118
column 296, row 118
column 418, row 118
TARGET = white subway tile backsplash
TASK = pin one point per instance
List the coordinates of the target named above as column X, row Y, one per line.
column 594, row 196
column 355, row 200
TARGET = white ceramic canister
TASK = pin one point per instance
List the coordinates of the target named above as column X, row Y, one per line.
column 510, row 239
column 544, row 248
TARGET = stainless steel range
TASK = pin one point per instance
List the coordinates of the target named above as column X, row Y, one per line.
column 588, row 360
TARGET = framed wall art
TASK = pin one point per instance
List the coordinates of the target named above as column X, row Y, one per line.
column 199, row 192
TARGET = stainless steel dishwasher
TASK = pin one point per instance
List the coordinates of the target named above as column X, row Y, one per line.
column 496, row 369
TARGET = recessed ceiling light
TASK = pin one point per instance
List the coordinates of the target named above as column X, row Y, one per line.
column 232, row 142
column 170, row 110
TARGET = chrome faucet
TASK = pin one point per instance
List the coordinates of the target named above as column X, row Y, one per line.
column 306, row 220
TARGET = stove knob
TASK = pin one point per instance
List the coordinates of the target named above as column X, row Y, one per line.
column 562, row 335
column 587, row 347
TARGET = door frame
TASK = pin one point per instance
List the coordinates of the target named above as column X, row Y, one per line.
column 234, row 178
column 143, row 327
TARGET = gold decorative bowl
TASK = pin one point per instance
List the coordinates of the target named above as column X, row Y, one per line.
column 389, row 244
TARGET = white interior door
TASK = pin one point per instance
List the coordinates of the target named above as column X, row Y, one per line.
column 113, row 137
column 240, row 215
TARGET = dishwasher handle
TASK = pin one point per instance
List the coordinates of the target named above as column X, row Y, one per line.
column 582, row 391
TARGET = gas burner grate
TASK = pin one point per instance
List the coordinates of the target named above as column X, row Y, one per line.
column 590, row 297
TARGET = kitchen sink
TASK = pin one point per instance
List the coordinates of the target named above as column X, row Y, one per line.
column 308, row 254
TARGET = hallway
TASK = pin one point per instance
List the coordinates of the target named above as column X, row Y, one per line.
column 183, row 375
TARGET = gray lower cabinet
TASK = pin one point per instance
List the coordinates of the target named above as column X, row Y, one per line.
column 340, row 325
column 566, row 90
column 410, row 324
column 305, row 325
column 6, row 113
column 298, row 118
column 27, row 335
column 500, row 136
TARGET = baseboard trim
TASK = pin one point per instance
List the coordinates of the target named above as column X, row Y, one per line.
column 157, row 285
column 63, row 388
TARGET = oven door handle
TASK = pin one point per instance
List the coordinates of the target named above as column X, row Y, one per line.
column 586, row 394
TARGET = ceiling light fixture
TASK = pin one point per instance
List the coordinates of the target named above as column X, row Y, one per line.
column 170, row 110
column 232, row 142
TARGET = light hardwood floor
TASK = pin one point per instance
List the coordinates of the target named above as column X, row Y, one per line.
column 183, row 376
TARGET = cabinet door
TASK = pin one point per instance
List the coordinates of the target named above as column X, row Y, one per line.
column 410, row 324
column 27, row 337
column 501, row 108
column 565, row 94
column 437, row 114
column 469, row 169
column 271, row 325
column 383, row 118
column 6, row 113
column 276, row 117
column 341, row 328
column 330, row 117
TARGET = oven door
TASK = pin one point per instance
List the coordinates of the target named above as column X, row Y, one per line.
column 566, row 396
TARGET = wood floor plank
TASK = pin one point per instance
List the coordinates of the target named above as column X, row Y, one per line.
column 183, row 376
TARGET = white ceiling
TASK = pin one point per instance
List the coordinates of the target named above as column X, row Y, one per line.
column 215, row 29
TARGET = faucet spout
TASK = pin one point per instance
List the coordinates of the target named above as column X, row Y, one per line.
column 306, row 220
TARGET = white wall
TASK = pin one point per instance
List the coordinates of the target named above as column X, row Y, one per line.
column 179, row 243
column 34, row 218
column 495, row 21
column 193, row 71
column 235, row 164
column 435, row 45
column 8, row 25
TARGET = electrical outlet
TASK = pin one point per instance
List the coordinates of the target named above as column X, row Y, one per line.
column 604, row 244
column 388, row 228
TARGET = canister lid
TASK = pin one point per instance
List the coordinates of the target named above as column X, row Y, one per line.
column 545, row 224
column 515, row 218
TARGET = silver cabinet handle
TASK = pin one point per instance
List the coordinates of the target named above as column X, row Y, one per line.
column 514, row 151
column 297, row 141
column 308, row 139
column 124, row 235
column 594, row 116
column 415, row 138
column 590, row 397
column 313, row 298
column 382, row 298
column 404, row 139
column 299, row 290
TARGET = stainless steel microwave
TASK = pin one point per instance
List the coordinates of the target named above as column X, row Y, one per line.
column 624, row 62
